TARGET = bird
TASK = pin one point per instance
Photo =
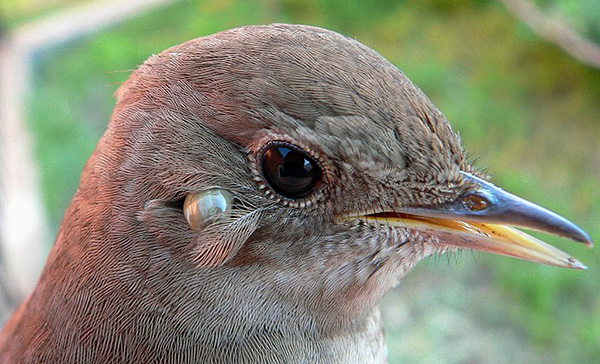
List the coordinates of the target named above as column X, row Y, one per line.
column 256, row 193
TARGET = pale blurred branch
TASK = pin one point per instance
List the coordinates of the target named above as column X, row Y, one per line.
column 555, row 31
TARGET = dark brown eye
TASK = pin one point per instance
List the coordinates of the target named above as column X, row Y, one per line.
column 289, row 170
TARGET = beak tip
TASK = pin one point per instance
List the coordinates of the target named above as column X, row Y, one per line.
column 576, row 264
column 586, row 239
column 589, row 243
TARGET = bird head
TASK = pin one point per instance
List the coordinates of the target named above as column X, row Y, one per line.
column 301, row 157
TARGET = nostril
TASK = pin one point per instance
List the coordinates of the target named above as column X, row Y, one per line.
column 475, row 202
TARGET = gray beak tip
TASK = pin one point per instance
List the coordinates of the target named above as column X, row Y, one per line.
column 506, row 208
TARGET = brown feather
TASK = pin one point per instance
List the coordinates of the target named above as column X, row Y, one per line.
column 128, row 281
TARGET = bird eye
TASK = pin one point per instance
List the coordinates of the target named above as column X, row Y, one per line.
column 205, row 207
column 290, row 171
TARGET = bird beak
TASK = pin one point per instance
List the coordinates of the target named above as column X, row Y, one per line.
column 482, row 219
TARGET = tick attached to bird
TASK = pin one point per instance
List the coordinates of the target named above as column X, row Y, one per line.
column 255, row 195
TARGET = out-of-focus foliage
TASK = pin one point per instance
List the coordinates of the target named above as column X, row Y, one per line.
column 582, row 15
column 528, row 110
column 14, row 12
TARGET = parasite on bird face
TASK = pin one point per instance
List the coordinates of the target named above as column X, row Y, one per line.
column 205, row 207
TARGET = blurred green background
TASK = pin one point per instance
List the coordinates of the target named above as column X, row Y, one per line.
column 526, row 109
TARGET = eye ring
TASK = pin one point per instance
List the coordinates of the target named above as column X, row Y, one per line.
column 290, row 171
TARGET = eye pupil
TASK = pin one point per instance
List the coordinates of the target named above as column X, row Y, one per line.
column 290, row 171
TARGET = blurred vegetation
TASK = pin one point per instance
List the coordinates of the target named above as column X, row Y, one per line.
column 529, row 111
column 15, row 12
column 581, row 15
